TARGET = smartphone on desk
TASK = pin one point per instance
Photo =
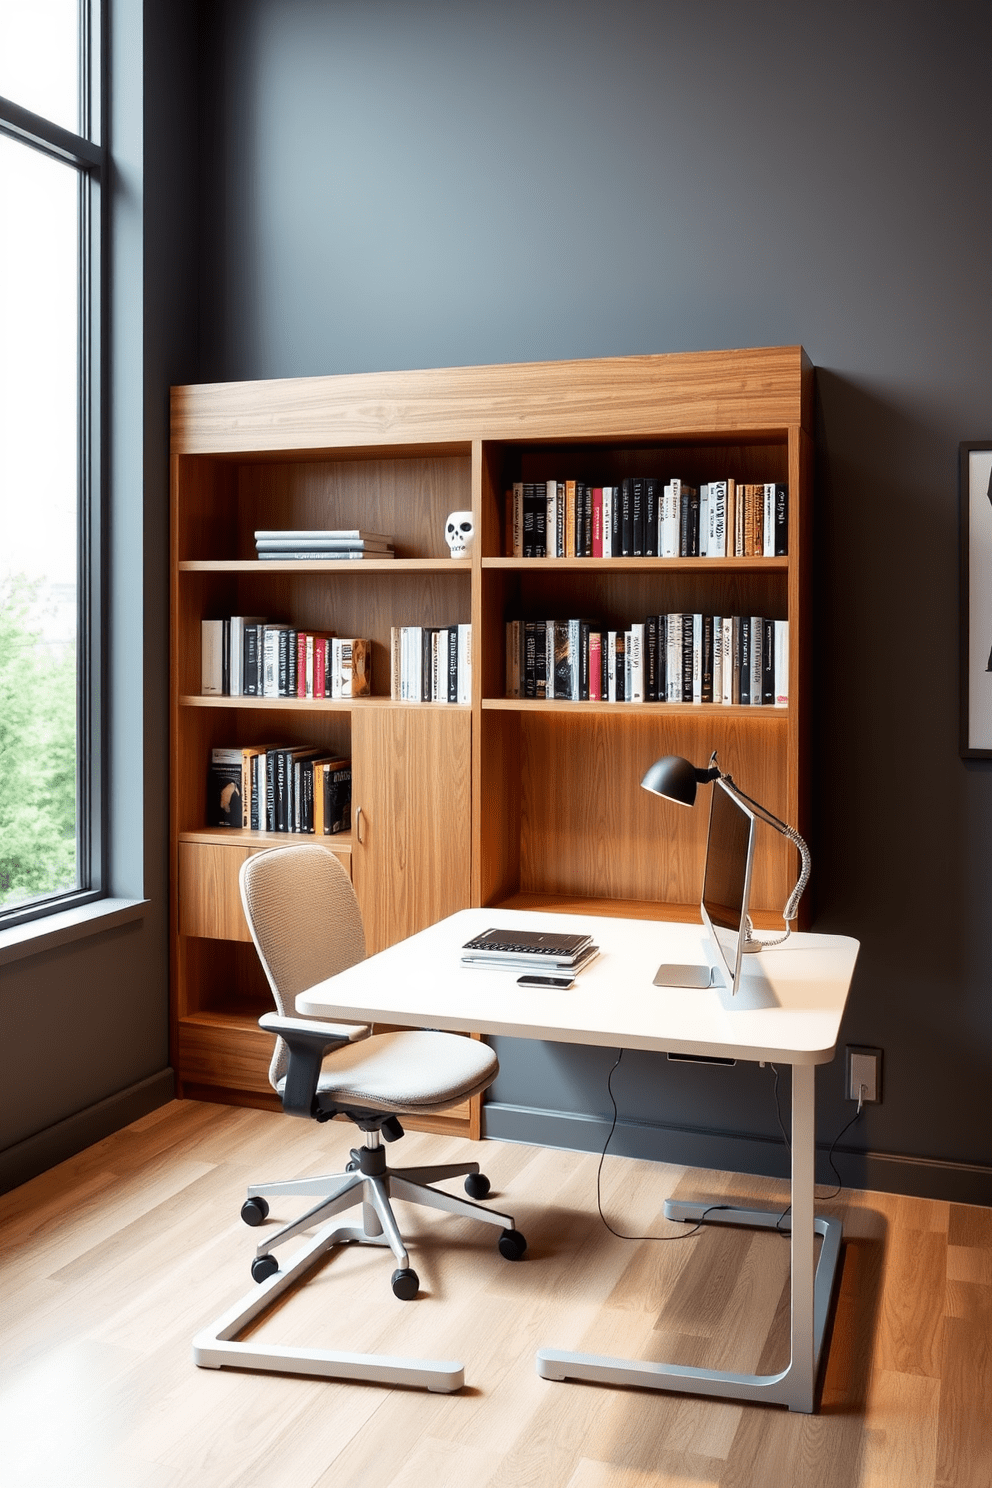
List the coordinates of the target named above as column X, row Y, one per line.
column 564, row 981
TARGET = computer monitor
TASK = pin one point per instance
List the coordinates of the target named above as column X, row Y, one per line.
column 727, row 882
column 725, row 895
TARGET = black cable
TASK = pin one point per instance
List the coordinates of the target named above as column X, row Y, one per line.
column 830, row 1154
column 824, row 1198
column 685, row 1234
column 778, row 1109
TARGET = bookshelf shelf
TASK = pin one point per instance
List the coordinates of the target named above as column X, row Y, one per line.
column 221, row 1018
column 763, row 717
column 307, row 706
column 630, row 909
column 365, row 566
column 228, row 837
column 640, row 565
column 506, row 802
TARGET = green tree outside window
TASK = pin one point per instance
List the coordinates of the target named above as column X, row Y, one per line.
column 37, row 751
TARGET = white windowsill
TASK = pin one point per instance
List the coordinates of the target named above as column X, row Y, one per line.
column 49, row 931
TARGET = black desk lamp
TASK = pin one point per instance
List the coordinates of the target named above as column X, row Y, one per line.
column 675, row 779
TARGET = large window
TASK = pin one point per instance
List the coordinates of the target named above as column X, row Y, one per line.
column 50, row 463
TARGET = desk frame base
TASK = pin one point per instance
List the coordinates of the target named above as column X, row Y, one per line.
column 811, row 1292
column 216, row 1347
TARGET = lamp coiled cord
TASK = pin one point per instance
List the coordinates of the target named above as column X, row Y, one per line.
column 805, row 869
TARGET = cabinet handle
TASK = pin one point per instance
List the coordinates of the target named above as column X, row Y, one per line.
column 358, row 826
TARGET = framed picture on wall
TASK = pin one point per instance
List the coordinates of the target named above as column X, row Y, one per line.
column 976, row 599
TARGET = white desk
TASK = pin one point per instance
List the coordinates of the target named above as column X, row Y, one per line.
column 788, row 1011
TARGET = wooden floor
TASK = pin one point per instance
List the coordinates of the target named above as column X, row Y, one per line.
column 115, row 1259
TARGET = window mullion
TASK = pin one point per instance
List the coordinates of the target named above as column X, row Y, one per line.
column 32, row 129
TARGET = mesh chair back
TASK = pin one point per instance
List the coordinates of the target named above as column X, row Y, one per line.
column 305, row 921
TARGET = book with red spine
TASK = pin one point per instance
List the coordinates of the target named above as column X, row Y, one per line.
column 595, row 665
column 597, row 521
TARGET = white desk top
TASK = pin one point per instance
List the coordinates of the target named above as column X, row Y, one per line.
column 788, row 1009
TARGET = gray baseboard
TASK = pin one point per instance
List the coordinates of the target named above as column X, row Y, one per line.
column 928, row 1178
column 46, row 1148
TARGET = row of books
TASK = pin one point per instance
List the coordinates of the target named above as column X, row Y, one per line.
column 676, row 658
column 328, row 544
column 279, row 788
column 431, row 663
column 249, row 656
column 645, row 517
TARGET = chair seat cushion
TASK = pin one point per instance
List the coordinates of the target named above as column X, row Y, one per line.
column 412, row 1071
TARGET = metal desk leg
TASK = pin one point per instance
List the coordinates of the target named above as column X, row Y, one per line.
column 801, row 1377
column 217, row 1347
column 810, row 1294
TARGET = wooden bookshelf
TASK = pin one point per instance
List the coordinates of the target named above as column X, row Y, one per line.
column 510, row 802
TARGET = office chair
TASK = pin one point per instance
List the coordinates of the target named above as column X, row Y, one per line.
column 306, row 924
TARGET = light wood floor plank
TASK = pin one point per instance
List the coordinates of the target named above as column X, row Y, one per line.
column 964, row 1435
column 901, row 1431
column 968, row 1263
column 116, row 1258
column 911, row 1322
column 672, row 1471
column 442, row 1463
column 112, row 1201
column 970, row 1225
column 782, row 1450
column 635, row 1430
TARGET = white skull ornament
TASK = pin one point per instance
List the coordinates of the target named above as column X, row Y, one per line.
column 459, row 533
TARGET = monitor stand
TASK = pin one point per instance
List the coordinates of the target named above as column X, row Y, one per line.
column 683, row 976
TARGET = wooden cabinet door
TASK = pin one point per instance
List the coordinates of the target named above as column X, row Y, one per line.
column 411, row 817
column 209, row 896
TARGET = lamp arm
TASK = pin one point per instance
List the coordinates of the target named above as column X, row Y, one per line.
column 806, row 867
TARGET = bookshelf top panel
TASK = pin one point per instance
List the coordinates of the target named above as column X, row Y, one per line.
column 720, row 392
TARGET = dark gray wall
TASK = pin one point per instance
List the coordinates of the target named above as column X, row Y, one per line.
column 85, row 1044
column 434, row 183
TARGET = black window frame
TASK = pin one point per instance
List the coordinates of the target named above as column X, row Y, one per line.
column 86, row 153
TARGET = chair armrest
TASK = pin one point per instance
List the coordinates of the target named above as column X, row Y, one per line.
column 308, row 1042
column 338, row 1033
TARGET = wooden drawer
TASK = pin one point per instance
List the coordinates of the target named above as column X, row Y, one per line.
column 209, row 898
column 228, row 1053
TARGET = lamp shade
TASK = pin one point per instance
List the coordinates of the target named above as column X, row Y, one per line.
column 674, row 778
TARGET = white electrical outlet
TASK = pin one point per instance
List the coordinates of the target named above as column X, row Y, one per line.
column 864, row 1074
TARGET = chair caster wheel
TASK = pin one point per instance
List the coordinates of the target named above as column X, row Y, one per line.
column 254, row 1211
column 477, row 1186
column 262, row 1267
column 406, row 1285
column 512, row 1245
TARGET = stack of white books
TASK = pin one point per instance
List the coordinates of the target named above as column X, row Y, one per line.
column 330, row 545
